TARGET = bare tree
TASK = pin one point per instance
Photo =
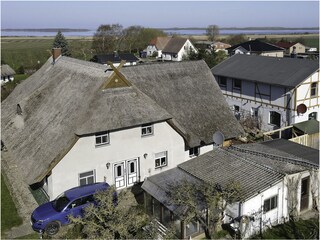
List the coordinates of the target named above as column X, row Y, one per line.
column 204, row 202
column 213, row 32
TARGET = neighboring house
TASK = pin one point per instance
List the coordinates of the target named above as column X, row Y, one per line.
column 256, row 47
column 274, row 184
column 7, row 74
column 156, row 46
column 116, row 58
column 292, row 47
column 177, row 49
column 220, row 46
column 277, row 92
column 73, row 123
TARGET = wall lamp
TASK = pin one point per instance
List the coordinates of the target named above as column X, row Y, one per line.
column 108, row 165
column 145, row 155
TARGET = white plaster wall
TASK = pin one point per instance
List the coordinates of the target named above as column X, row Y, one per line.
column 303, row 97
column 124, row 145
column 272, row 54
column 150, row 50
column 253, row 207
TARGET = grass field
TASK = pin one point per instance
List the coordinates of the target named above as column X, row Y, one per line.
column 9, row 214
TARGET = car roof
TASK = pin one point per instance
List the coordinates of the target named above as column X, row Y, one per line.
column 77, row 192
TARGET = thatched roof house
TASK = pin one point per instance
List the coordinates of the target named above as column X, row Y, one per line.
column 46, row 114
column 6, row 71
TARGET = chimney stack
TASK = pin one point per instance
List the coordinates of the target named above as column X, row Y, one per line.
column 56, row 53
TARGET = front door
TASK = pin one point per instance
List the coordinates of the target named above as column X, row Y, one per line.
column 119, row 175
column 304, row 193
column 126, row 173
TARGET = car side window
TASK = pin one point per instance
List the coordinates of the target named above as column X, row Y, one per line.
column 87, row 199
column 75, row 203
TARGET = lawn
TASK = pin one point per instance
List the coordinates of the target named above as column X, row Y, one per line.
column 9, row 214
column 302, row 229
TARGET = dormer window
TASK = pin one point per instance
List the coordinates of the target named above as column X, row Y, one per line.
column 194, row 151
column 102, row 138
column 146, row 130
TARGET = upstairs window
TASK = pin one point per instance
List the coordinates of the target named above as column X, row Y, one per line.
column 102, row 139
column 194, row 151
column 222, row 81
column 161, row 159
column 270, row 203
column 312, row 115
column 275, row 118
column 146, row 130
column 237, row 84
column 314, row 89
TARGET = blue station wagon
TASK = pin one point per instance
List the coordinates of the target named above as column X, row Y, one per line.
column 50, row 216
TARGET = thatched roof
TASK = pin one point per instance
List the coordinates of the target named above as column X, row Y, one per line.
column 174, row 45
column 188, row 91
column 64, row 101
column 6, row 70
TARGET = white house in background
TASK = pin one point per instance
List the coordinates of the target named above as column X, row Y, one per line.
column 177, row 49
column 73, row 123
column 267, row 174
column 276, row 91
column 256, row 47
column 156, row 46
column 7, row 74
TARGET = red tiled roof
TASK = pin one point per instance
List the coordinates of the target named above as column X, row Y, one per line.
column 285, row 44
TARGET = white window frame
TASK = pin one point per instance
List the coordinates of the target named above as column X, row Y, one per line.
column 193, row 153
column 270, row 203
column 315, row 88
column 92, row 174
column 148, row 130
column 161, row 158
column 101, row 136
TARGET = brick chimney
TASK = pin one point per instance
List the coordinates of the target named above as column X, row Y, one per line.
column 56, row 53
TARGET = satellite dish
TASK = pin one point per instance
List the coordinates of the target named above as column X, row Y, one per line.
column 301, row 108
column 218, row 138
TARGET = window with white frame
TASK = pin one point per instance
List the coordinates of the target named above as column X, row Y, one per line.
column 194, row 151
column 102, row 138
column 87, row 178
column 270, row 203
column 146, row 129
column 161, row 159
column 314, row 89
column 254, row 112
column 274, row 118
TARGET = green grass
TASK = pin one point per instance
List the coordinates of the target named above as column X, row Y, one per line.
column 9, row 214
column 30, row 236
column 302, row 229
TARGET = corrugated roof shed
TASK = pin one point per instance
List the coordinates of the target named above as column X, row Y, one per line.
column 288, row 72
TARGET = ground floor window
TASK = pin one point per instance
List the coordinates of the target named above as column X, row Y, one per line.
column 87, row 178
column 270, row 203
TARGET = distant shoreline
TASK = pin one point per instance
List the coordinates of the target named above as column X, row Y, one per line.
column 172, row 28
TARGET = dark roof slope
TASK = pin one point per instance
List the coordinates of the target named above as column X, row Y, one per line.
column 115, row 58
column 174, row 45
column 160, row 42
column 257, row 46
column 292, row 149
column 288, row 72
column 188, row 91
column 310, row 126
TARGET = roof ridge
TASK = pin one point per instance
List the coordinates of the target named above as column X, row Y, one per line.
column 264, row 167
column 276, row 157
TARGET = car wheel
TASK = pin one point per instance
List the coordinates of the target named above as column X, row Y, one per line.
column 52, row 228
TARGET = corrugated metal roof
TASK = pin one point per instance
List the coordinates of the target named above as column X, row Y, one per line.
column 310, row 127
column 288, row 72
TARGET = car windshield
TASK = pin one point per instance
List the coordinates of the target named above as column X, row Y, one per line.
column 60, row 202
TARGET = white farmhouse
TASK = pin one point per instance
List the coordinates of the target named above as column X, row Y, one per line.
column 156, row 46
column 177, row 49
column 73, row 123
column 274, row 183
column 276, row 92
column 7, row 74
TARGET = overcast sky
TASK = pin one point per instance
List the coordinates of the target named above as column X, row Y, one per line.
column 159, row 14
